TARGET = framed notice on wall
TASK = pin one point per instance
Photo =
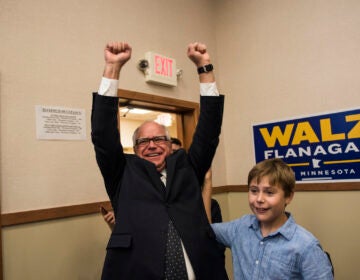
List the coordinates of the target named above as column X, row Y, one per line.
column 60, row 123
column 319, row 148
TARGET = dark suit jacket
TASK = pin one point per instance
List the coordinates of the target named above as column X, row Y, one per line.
column 216, row 216
column 143, row 207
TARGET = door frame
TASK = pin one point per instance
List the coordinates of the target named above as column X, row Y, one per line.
column 187, row 112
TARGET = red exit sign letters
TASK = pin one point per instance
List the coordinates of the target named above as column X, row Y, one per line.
column 163, row 66
column 161, row 70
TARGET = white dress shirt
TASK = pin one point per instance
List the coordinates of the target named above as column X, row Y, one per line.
column 109, row 87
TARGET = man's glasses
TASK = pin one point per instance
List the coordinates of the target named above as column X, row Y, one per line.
column 143, row 142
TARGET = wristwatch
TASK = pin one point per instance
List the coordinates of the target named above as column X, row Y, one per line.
column 206, row 68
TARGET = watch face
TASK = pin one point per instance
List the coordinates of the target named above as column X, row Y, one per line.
column 208, row 67
column 205, row 68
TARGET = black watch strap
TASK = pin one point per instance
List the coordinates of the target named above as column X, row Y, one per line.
column 206, row 68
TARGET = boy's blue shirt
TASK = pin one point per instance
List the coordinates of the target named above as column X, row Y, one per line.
column 291, row 252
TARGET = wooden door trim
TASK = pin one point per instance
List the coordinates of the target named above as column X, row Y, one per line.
column 189, row 110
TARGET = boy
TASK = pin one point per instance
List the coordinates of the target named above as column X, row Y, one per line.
column 269, row 244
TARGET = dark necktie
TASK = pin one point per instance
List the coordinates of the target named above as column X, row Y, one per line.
column 175, row 268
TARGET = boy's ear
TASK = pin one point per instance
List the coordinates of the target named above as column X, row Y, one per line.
column 289, row 199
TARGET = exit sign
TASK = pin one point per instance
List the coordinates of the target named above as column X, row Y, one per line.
column 161, row 70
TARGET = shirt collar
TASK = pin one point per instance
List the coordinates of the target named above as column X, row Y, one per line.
column 287, row 230
column 163, row 172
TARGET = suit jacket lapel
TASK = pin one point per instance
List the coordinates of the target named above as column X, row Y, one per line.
column 172, row 163
column 151, row 173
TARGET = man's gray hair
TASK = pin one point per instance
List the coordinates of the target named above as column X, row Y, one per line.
column 136, row 132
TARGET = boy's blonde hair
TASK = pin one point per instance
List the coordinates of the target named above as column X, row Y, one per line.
column 278, row 172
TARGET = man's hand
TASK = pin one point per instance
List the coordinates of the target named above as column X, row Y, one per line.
column 116, row 55
column 108, row 216
column 198, row 54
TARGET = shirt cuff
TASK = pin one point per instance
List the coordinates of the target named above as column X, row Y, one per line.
column 209, row 89
column 108, row 87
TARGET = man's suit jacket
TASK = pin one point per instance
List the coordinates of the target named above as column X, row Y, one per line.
column 143, row 206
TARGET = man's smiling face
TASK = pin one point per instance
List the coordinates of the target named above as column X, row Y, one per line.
column 157, row 149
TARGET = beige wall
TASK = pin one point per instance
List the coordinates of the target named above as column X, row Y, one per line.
column 274, row 60
column 283, row 59
column 66, row 249
column 52, row 54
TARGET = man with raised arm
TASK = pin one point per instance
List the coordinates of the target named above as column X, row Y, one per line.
column 156, row 194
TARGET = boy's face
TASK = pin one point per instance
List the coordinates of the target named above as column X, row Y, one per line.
column 268, row 203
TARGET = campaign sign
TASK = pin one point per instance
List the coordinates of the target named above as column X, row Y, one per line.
column 318, row 148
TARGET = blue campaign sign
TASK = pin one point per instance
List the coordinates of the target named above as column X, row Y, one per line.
column 322, row 147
